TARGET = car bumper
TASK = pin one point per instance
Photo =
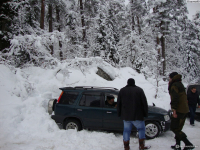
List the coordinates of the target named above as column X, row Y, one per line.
column 58, row 119
column 198, row 110
column 165, row 125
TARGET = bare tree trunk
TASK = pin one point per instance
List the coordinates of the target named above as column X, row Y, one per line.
column 139, row 27
column 133, row 28
column 133, row 23
column 163, row 54
column 82, row 20
column 50, row 25
column 58, row 17
column 83, row 26
column 42, row 14
column 132, row 15
column 59, row 29
column 159, row 52
column 50, row 18
column 158, row 42
column 51, row 48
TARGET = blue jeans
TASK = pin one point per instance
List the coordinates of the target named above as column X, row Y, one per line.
column 192, row 113
column 140, row 125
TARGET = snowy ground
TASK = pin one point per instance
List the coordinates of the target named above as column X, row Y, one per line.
column 26, row 125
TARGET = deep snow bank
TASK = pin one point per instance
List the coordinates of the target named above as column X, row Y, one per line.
column 24, row 94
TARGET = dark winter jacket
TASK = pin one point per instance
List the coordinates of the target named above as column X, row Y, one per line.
column 193, row 98
column 132, row 104
column 178, row 95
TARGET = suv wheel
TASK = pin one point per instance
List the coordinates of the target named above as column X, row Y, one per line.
column 73, row 124
column 152, row 129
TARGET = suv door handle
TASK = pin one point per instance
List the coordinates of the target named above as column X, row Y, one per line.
column 109, row 112
column 79, row 109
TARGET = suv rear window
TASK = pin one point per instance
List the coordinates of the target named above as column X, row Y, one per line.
column 91, row 99
column 68, row 98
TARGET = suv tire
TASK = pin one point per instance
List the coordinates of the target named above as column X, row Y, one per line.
column 153, row 129
column 72, row 124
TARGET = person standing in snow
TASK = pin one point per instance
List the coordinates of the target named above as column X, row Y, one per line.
column 132, row 107
column 180, row 110
column 193, row 99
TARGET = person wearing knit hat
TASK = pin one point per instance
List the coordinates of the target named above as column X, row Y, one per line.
column 132, row 107
column 171, row 75
column 180, row 110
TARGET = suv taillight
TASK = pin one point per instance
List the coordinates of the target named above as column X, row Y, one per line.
column 60, row 96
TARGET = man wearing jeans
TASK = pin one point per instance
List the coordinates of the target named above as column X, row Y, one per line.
column 132, row 107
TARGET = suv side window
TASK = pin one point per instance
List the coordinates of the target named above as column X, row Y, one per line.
column 68, row 98
column 91, row 99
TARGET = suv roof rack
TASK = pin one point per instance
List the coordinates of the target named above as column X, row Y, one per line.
column 87, row 87
column 66, row 88
column 95, row 87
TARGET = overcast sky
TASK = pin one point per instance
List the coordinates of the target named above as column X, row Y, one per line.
column 193, row 7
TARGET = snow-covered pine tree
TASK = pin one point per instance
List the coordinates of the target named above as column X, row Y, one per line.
column 137, row 45
column 107, row 35
column 191, row 50
column 174, row 44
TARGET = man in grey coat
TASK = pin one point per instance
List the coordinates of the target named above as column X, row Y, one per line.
column 132, row 107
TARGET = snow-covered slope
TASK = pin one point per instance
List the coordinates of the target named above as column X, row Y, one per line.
column 26, row 125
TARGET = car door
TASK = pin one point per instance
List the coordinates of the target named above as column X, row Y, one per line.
column 89, row 109
column 111, row 120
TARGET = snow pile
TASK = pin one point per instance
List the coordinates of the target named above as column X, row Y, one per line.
column 26, row 124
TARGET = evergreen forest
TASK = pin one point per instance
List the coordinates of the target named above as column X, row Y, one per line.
column 154, row 37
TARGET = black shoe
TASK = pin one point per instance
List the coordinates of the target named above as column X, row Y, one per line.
column 176, row 147
column 192, row 124
column 189, row 147
column 188, row 144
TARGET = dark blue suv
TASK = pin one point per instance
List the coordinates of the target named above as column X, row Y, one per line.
column 85, row 108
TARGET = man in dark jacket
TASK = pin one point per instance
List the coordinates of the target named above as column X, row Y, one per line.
column 180, row 109
column 193, row 99
column 132, row 107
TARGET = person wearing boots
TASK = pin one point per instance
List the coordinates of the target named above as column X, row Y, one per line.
column 193, row 99
column 132, row 107
column 180, row 110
